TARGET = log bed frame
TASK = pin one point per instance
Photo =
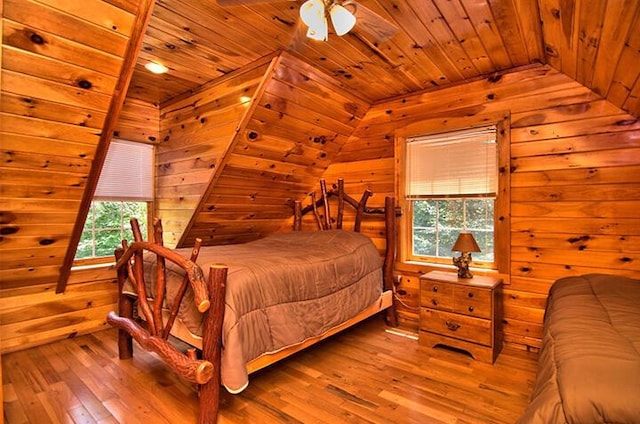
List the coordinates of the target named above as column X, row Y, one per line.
column 209, row 297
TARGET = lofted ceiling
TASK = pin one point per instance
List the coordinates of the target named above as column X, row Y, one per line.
column 438, row 43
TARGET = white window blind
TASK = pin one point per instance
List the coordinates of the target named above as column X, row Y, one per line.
column 455, row 164
column 127, row 173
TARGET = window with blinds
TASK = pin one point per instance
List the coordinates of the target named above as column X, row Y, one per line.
column 456, row 164
column 124, row 189
column 127, row 173
column 451, row 183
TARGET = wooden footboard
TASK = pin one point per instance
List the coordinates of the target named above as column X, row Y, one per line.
column 209, row 298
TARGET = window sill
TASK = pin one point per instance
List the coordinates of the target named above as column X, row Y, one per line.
column 424, row 267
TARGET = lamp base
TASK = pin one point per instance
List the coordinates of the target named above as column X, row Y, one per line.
column 462, row 263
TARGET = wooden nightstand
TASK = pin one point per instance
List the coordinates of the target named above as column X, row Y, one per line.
column 462, row 313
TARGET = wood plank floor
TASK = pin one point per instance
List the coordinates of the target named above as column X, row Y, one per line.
column 363, row 375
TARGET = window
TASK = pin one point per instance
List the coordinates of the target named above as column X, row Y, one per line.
column 451, row 184
column 124, row 190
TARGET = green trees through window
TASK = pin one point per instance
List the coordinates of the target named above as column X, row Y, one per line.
column 107, row 224
column 437, row 223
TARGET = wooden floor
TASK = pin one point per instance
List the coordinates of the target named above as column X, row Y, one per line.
column 364, row 375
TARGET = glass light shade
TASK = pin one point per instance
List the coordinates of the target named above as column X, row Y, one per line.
column 156, row 68
column 312, row 13
column 319, row 31
column 465, row 243
column 342, row 20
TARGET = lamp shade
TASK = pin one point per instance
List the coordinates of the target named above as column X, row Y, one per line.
column 465, row 243
column 312, row 13
column 342, row 20
column 319, row 31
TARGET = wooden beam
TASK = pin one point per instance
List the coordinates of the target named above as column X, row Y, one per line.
column 135, row 43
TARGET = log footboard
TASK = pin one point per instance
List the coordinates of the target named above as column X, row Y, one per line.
column 209, row 299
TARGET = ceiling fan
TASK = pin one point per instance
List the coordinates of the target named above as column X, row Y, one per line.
column 344, row 16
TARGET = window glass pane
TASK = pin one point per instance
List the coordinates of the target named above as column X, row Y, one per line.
column 437, row 223
column 107, row 241
column 85, row 247
column 107, row 224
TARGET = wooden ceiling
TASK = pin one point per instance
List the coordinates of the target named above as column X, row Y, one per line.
column 439, row 42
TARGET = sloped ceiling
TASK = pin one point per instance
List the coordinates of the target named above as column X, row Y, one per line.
column 439, row 42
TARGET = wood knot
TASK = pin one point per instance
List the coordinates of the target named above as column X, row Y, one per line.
column 7, row 231
column 46, row 241
column 36, row 39
column 84, row 84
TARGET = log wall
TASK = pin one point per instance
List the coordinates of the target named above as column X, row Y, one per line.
column 196, row 131
column 575, row 181
column 35, row 315
column 275, row 153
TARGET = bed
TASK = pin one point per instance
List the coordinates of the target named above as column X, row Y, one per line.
column 589, row 365
column 261, row 302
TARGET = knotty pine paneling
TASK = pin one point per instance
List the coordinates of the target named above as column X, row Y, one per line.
column 574, row 181
column 35, row 315
column 60, row 64
column 138, row 121
column 300, row 120
column 195, row 132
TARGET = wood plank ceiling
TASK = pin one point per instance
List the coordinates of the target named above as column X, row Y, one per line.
column 439, row 42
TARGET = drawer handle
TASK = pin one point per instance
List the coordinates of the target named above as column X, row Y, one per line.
column 470, row 308
column 435, row 289
column 470, row 294
column 434, row 302
column 453, row 326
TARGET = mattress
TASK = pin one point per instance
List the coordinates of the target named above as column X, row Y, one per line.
column 281, row 290
column 589, row 365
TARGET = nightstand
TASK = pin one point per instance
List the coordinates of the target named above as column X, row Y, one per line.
column 463, row 313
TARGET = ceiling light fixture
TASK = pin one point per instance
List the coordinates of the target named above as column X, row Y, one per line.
column 314, row 14
column 156, row 68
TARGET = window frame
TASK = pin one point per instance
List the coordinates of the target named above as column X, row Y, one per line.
column 502, row 242
column 102, row 260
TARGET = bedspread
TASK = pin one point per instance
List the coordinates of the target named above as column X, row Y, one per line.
column 589, row 365
column 281, row 290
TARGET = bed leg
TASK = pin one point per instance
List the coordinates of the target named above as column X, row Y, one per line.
column 125, row 341
column 125, row 310
column 212, row 344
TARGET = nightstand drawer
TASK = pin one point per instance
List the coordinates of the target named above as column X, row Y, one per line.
column 472, row 301
column 462, row 327
column 437, row 295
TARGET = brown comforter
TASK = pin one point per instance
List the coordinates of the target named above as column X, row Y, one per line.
column 282, row 290
column 589, row 366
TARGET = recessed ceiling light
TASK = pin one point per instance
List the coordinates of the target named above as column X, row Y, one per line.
column 156, row 68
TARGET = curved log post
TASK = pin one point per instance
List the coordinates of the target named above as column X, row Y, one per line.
column 325, row 202
column 297, row 215
column 340, row 203
column 160, row 275
column 181, row 291
column 391, row 316
column 138, row 272
column 360, row 210
column 315, row 210
column 193, row 271
column 212, row 344
column 195, row 371
column 125, row 309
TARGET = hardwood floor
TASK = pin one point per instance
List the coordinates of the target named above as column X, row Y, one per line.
column 363, row 375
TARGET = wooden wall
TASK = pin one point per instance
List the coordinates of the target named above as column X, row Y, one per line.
column 35, row 315
column 196, row 131
column 138, row 121
column 277, row 147
column 60, row 67
column 575, row 180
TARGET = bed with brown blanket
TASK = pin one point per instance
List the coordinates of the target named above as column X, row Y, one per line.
column 589, row 365
column 263, row 300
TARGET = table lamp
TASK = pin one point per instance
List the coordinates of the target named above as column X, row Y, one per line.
column 465, row 244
